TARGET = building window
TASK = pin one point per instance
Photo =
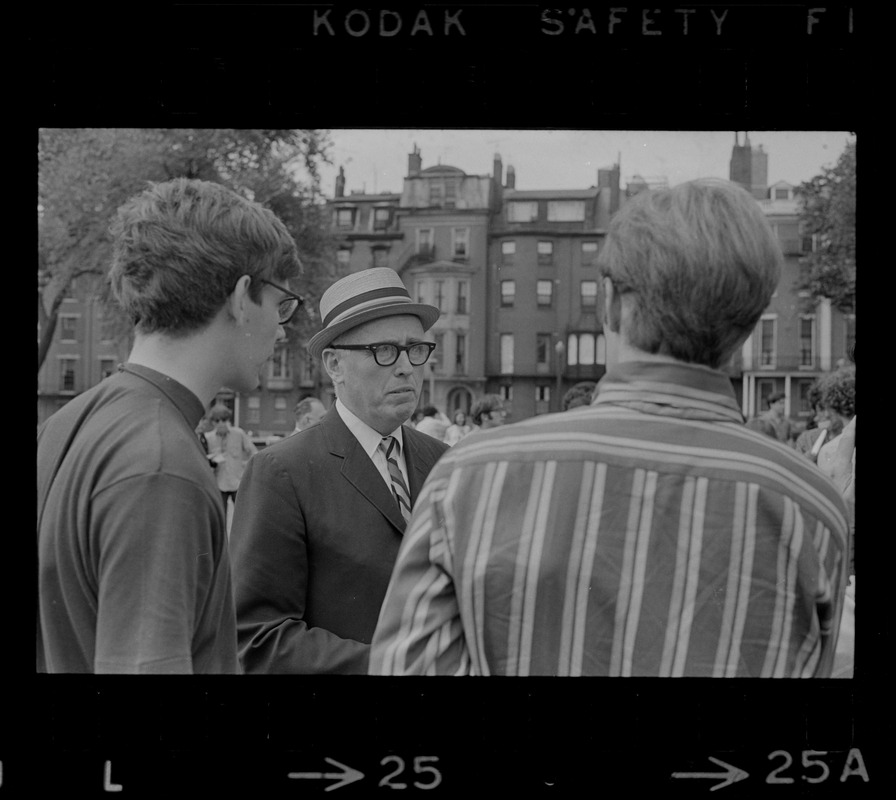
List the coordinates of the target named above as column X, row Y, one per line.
column 253, row 408
column 807, row 340
column 343, row 254
column 107, row 367
column 519, row 211
column 508, row 292
column 588, row 293
column 545, row 252
column 850, row 328
column 460, row 242
column 281, row 363
column 67, row 374
column 437, row 359
column 782, row 194
column 505, row 391
column 460, row 354
column 586, row 348
column 421, row 291
column 589, row 253
column 543, row 352
column 381, row 218
column 108, row 327
column 380, row 257
column 542, row 394
column 280, row 409
column 345, row 218
column 463, row 290
column 544, row 292
column 450, row 193
column 764, row 388
column 508, row 251
column 767, row 336
column 440, row 295
column 506, row 353
column 566, row 210
column 68, row 328
column 424, row 241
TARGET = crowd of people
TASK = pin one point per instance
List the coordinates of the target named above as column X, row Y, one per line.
column 645, row 530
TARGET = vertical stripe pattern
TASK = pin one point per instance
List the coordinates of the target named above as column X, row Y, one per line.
column 388, row 445
column 650, row 535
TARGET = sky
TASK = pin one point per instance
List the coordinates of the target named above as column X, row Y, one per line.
column 377, row 160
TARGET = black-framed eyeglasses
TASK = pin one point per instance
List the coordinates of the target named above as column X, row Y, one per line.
column 288, row 305
column 387, row 354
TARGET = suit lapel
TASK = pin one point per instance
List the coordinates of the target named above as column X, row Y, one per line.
column 359, row 470
column 416, row 470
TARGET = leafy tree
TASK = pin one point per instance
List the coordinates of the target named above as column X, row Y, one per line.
column 829, row 215
column 84, row 174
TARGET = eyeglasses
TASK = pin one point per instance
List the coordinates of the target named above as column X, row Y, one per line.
column 288, row 305
column 387, row 354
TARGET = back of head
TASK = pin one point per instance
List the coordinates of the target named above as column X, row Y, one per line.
column 701, row 262
column 180, row 247
column 486, row 403
column 838, row 391
column 430, row 411
column 578, row 395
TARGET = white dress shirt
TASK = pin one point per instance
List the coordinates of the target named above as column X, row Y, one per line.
column 370, row 440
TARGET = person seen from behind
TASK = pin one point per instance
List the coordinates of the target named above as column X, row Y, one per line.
column 651, row 533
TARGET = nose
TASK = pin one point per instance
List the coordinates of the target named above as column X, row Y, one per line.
column 403, row 365
column 281, row 333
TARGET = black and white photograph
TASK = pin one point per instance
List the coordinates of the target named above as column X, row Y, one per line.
column 382, row 448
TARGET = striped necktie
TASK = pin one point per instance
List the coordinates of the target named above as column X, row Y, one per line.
column 399, row 487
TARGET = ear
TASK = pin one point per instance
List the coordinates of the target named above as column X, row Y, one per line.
column 239, row 299
column 611, row 306
column 333, row 365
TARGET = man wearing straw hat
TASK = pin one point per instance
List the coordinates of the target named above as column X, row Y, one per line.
column 320, row 515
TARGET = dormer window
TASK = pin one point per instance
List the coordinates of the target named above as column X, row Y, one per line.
column 381, row 218
column 782, row 193
column 345, row 218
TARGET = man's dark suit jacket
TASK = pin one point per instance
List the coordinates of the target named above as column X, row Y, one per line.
column 315, row 534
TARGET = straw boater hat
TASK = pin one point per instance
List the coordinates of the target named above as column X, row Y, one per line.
column 361, row 297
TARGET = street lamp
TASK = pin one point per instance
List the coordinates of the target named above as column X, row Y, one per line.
column 559, row 347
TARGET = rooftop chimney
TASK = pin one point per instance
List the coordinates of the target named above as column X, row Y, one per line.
column 340, row 183
column 498, row 169
column 414, row 162
column 511, row 177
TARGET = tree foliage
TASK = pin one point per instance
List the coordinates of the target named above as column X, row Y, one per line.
column 829, row 215
column 84, row 174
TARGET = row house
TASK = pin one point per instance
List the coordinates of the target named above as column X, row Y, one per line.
column 791, row 346
column 545, row 329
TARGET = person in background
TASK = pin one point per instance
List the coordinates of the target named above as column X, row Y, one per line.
column 810, row 441
column 133, row 565
column 308, row 411
column 202, row 430
column 433, row 423
column 837, row 392
column 488, row 412
column 321, row 514
column 579, row 395
column 652, row 533
column 229, row 449
column 784, row 429
column 762, row 425
column 457, row 429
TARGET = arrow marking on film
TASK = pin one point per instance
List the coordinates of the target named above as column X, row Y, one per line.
column 731, row 774
column 346, row 776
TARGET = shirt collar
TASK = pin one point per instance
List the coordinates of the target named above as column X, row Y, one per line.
column 187, row 402
column 670, row 389
column 368, row 438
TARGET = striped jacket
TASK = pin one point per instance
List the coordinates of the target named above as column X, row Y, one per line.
column 650, row 534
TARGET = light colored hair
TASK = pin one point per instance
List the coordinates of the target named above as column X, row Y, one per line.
column 181, row 246
column 702, row 263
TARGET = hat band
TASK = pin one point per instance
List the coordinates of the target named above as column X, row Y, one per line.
column 392, row 293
